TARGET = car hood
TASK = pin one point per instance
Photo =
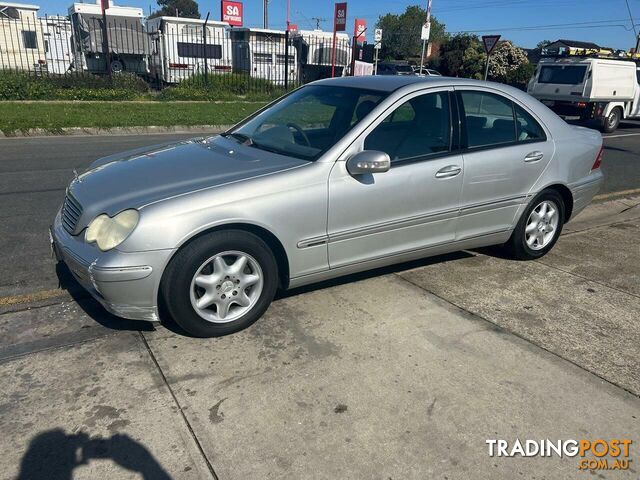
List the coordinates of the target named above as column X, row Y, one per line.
column 139, row 177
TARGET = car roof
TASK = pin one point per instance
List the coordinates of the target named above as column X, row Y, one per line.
column 390, row 83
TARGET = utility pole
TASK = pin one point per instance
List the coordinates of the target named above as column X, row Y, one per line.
column 265, row 14
column 426, row 31
column 318, row 20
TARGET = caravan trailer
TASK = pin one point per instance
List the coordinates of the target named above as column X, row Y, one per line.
column 21, row 40
column 128, row 40
column 56, row 31
column 315, row 53
column 261, row 53
column 178, row 48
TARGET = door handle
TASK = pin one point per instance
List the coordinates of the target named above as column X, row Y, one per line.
column 533, row 156
column 448, row 171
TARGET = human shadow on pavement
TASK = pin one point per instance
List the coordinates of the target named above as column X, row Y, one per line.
column 92, row 307
column 54, row 455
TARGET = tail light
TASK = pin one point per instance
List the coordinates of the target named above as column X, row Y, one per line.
column 222, row 67
column 598, row 162
column 182, row 66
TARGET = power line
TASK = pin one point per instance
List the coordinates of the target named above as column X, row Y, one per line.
column 635, row 33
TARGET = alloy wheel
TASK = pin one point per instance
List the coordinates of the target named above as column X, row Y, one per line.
column 542, row 225
column 226, row 286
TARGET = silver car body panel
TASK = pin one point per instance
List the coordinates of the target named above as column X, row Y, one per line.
column 327, row 222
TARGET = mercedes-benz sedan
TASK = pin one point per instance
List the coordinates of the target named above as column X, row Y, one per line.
column 337, row 177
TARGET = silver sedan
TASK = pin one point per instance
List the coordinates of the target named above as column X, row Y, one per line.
column 337, row 177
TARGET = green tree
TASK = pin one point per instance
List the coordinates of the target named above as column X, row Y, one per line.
column 462, row 56
column 185, row 8
column 543, row 43
column 506, row 63
column 401, row 33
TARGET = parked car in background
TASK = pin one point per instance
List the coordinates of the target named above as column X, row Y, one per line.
column 599, row 89
column 426, row 71
column 339, row 176
column 395, row 69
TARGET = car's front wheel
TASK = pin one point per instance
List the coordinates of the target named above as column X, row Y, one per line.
column 220, row 283
column 539, row 226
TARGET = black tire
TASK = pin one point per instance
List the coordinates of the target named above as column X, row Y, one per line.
column 176, row 282
column 612, row 121
column 517, row 245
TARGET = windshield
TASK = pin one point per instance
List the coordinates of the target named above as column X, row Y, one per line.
column 562, row 74
column 308, row 122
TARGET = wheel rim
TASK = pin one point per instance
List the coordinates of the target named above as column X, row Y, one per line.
column 613, row 119
column 226, row 286
column 542, row 225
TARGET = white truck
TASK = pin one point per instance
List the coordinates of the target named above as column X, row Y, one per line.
column 595, row 89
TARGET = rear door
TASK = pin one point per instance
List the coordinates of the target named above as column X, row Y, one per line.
column 505, row 151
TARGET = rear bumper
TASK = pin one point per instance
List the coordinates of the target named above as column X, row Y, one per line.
column 126, row 284
column 584, row 190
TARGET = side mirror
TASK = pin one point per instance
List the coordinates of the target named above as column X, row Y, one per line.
column 368, row 161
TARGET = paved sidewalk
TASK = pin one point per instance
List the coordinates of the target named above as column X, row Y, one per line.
column 399, row 373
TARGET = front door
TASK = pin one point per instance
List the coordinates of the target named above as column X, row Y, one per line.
column 411, row 206
column 505, row 152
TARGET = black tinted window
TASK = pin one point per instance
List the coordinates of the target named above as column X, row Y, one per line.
column 562, row 74
column 199, row 50
column 419, row 127
column 29, row 39
column 489, row 119
column 528, row 128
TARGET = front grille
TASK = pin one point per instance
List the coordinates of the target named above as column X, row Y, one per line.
column 71, row 211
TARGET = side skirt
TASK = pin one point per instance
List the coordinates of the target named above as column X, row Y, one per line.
column 475, row 242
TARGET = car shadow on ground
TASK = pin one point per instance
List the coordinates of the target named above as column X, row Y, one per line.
column 94, row 310
column 55, row 454
column 92, row 307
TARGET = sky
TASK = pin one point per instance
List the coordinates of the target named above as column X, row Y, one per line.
column 525, row 22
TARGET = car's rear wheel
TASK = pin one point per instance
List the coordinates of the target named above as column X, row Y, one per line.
column 539, row 226
column 220, row 283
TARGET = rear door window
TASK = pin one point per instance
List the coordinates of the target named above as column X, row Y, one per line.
column 488, row 117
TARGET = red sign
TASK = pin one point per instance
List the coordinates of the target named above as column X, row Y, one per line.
column 359, row 30
column 104, row 4
column 231, row 12
column 340, row 18
column 292, row 26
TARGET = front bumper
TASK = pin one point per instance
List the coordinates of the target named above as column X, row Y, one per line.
column 126, row 284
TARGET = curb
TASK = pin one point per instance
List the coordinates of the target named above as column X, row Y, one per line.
column 87, row 131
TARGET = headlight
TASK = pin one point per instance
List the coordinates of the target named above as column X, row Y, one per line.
column 109, row 232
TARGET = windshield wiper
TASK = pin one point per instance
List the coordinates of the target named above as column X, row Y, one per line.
column 240, row 137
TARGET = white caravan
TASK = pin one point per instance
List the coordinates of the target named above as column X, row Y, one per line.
column 21, row 41
column 315, row 53
column 261, row 53
column 128, row 41
column 57, row 34
column 179, row 49
column 600, row 89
